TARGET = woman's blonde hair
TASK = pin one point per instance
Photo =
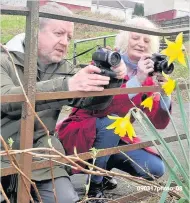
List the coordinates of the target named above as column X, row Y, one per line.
column 122, row 39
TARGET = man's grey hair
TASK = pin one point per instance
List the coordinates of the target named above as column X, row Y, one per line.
column 54, row 8
column 122, row 39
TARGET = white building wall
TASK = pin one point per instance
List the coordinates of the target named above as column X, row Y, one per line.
column 119, row 13
column 182, row 5
column 14, row 2
column 86, row 3
column 157, row 6
column 182, row 13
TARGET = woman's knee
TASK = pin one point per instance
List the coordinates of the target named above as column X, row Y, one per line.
column 150, row 165
column 104, row 122
column 156, row 168
column 105, row 138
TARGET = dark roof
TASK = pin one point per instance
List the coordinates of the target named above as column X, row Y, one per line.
column 115, row 4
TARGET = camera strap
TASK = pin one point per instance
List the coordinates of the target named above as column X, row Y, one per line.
column 84, row 52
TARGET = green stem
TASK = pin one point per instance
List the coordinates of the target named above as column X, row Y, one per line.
column 178, row 181
column 164, row 194
column 187, row 59
column 183, row 113
column 181, row 145
column 164, row 144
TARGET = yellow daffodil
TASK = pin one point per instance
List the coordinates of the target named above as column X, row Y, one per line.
column 168, row 86
column 122, row 126
column 148, row 103
column 174, row 50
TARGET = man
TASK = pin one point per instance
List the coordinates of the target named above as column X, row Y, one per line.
column 53, row 41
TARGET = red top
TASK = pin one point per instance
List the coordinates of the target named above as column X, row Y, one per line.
column 79, row 129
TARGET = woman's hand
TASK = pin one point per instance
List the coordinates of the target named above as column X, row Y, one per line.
column 160, row 80
column 120, row 70
column 145, row 66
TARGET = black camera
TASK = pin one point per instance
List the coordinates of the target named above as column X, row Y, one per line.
column 161, row 64
column 105, row 59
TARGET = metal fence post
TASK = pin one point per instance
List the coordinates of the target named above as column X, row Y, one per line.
column 104, row 41
column 27, row 120
column 74, row 54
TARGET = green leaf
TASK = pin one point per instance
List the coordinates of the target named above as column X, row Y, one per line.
column 137, row 115
column 165, row 145
column 152, row 134
column 183, row 113
column 10, row 142
column 49, row 142
column 94, row 151
column 174, row 126
column 182, row 200
column 165, row 192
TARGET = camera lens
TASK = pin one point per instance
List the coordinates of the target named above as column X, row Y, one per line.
column 114, row 58
column 167, row 69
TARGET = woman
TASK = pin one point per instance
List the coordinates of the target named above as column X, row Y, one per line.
column 86, row 129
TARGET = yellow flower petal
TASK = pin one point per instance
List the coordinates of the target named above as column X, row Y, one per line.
column 148, row 103
column 114, row 124
column 179, row 38
column 174, row 50
column 121, row 132
column 131, row 131
column 181, row 59
column 171, row 60
column 165, row 75
column 169, row 43
column 122, row 126
column 164, row 52
column 113, row 117
column 169, row 86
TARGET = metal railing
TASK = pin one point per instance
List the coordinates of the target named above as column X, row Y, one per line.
column 87, row 40
column 162, row 43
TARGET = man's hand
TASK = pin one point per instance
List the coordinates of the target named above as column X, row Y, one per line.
column 120, row 70
column 87, row 80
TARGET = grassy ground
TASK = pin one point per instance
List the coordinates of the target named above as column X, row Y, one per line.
column 12, row 25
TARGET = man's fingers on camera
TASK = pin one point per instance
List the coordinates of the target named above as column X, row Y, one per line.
column 98, row 77
column 97, row 82
column 92, row 88
column 91, row 69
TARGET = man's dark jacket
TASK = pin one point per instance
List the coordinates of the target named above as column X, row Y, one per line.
column 48, row 80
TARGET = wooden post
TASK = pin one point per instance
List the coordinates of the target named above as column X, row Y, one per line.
column 30, row 71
